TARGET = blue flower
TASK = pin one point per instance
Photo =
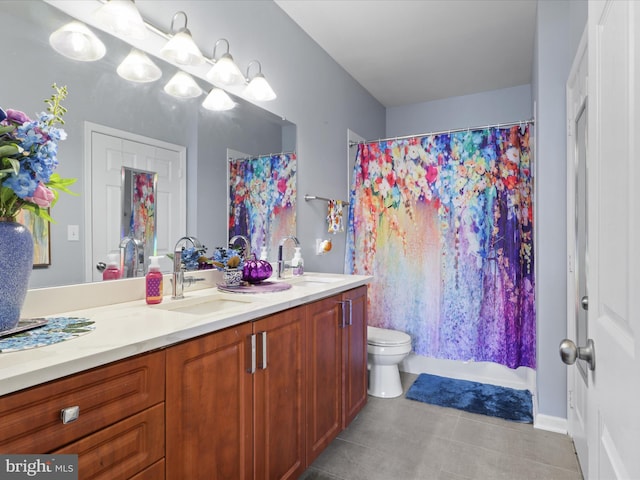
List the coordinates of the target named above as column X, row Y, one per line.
column 190, row 258
column 22, row 184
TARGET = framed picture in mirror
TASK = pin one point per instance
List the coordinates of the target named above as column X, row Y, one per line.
column 40, row 230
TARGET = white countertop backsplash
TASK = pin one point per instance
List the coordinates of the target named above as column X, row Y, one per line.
column 126, row 325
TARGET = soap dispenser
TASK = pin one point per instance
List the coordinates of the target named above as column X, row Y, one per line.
column 154, row 282
column 297, row 263
column 112, row 272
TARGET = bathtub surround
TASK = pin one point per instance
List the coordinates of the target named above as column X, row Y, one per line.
column 445, row 225
column 474, row 397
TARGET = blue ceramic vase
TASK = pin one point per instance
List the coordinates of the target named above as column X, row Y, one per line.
column 16, row 262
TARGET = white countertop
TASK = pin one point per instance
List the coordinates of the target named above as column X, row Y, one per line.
column 133, row 327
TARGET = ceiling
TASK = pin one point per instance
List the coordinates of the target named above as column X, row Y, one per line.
column 412, row 51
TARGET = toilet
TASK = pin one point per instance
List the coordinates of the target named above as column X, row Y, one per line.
column 386, row 349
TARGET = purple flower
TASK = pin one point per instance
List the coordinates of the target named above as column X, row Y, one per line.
column 17, row 116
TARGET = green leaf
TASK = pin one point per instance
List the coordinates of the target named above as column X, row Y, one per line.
column 7, row 129
column 9, row 149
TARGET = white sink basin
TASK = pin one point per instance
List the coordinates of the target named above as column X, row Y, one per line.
column 205, row 305
column 311, row 280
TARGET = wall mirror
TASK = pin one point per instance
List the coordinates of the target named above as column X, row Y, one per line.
column 98, row 95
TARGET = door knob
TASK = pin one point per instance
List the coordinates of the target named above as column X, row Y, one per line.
column 584, row 303
column 569, row 353
column 100, row 266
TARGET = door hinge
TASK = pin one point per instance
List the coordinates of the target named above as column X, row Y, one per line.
column 571, row 404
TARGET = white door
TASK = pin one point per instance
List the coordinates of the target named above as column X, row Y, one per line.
column 577, row 195
column 613, row 164
column 109, row 151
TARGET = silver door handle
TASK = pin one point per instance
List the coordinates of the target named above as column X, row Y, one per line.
column 569, row 353
column 252, row 347
column 584, row 303
column 264, row 350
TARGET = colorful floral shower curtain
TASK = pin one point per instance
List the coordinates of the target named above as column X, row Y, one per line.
column 262, row 198
column 445, row 225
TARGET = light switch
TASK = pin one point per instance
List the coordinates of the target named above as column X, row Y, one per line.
column 73, row 233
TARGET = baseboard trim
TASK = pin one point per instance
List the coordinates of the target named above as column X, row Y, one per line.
column 550, row 424
column 522, row 378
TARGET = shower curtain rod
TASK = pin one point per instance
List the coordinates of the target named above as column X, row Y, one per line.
column 453, row 130
column 253, row 157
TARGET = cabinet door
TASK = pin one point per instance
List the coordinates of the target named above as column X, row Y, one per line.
column 324, row 374
column 278, row 396
column 354, row 354
column 209, row 407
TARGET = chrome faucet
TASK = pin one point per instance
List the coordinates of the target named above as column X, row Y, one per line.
column 247, row 244
column 178, row 280
column 137, row 268
column 282, row 265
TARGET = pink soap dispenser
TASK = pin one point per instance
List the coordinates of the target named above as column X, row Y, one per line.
column 112, row 272
column 154, row 282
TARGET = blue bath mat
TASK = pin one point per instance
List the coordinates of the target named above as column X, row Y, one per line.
column 474, row 397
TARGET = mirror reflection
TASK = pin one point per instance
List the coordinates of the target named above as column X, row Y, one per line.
column 98, row 96
column 262, row 199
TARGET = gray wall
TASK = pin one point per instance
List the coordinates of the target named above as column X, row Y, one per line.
column 487, row 108
column 313, row 92
column 559, row 27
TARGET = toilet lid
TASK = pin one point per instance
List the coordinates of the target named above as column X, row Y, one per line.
column 384, row 337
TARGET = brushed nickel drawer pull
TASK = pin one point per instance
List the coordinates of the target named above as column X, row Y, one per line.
column 70, row 414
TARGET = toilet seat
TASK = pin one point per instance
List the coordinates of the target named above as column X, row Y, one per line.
column 386, row 338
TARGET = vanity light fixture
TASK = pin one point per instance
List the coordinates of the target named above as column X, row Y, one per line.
column 75, row 40
column 122, row 18
column 138, row 67
column 182, row 85
column 224, row 70
column 258, row 88
column 181, row 48
column 218, row 100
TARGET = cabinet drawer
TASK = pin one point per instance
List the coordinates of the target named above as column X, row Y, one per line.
column 31, row 418
column 154, row 472
column 121, row 450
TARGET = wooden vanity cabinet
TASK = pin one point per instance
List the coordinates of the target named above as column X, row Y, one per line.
column 324, row 374
column 119, row 431
column 209, row 402
column 234, row 402
column 258, row 401
column 354, row 354
column 279, row 414
column 336, row 366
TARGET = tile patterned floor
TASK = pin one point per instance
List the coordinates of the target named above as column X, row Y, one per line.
column 400, row 439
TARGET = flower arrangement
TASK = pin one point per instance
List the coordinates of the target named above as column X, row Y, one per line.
column 193, row 258
column 28, row 158
column 226, row 259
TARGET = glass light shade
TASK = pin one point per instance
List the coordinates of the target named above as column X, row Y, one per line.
column 218, row 100
column 138, row 67
column 182, row 85
column 123, row 18
column 181, row 49
column 259, row 89
column 74, row 40
column 225, row 72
